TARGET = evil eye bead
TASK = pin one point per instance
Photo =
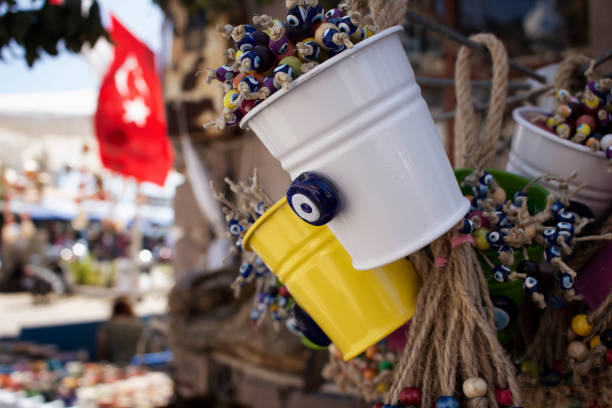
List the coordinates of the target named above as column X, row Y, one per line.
column 231, row 99
column 234, row 227
column 481, row 190
column 530, row 284
column 333, row 13
column 486, row 179
column 550, row 235
column 251, row 82
column 279, row 47
column 269, row 83
column 254, row 315
column 293, row 327
column 584, row 129
column 504, row 311
column 501, row 273
column 253, row 57
column 495, row 238
column 261, row 208
column 313, row 198
column 296, row 16
column 518, row 198
column 261, row 38
column 238, row 244
column 566, row 216
column 565, row 226
column 236, row 117
column 309, row 327
column 225, row 73
column 314, row 15
column 246, row 269
column 557, row 206
column 552, row 252
column 247, row 43
column 562, row 94
column 467, row 228
column 347, row 26
column 316, row 50
column 565, row 280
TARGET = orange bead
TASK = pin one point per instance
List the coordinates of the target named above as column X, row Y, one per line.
column 369, row 374
column 371, row 352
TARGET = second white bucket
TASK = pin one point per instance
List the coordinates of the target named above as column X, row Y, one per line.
column 359, row 120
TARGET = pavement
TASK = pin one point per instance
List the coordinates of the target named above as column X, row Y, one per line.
column 18, row 311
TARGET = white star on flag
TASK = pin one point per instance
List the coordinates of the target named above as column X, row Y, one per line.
column 136, row 111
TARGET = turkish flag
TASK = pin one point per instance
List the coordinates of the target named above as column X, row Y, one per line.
column 130, row 120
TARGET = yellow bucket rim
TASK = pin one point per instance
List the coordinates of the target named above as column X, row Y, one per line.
column 249, row 234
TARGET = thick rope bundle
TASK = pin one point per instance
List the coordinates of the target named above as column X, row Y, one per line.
column 386, row 13
column 568, row 70
column 470, row 146
column 452, row 335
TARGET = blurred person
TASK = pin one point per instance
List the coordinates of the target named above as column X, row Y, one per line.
column 118, row 337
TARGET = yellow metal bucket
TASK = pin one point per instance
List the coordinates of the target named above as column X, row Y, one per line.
column 356, row 309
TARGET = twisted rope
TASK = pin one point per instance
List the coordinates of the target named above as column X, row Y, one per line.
column 469, row 144
column 387, row 13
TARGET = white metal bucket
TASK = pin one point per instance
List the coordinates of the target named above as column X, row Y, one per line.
column 536, row 151
column 359, row 120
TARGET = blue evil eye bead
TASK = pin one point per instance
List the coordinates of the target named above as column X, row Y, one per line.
column 505, row 248
column 254, row 315
column 504, row 311
column 467, row 228
column 313, row 198
column 566, row 216
column 333, row 13
column 347, row 26
column 447, row 402
column 557, row 206
column 251, row 82
column 296, row 17
column 565, row 280
column 282, row 301
column 552, row 252
column 238, row 244
column 225, row 73
column 486, row 179
column 261, row 208
column 234, row 227
column 314, row 14
column 550, row 235
column 518, row 198
column 293, row 327
column 309, row 327
column 316, row 50
column 495, row 238
column 270, row 300
column 253, row 57
column 246, row 269
column 530, row 284
column 565, row 226
column 328, row 41
column 334, row 20
column 481, row 190
column 247, row 43
column 501, row 273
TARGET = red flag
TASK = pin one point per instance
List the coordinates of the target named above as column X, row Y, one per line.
column 130, row 121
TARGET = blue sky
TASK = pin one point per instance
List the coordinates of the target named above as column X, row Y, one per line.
column 71, row 71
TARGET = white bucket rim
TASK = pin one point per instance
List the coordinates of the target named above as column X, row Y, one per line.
column 520, row 119
column 318, row 69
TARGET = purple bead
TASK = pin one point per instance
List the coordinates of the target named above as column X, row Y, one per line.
column 609, row 152
column 260, row 37
column 238, row 115
column 225, row 73
column 279, row 47
column 269, row 83
column 333, row 13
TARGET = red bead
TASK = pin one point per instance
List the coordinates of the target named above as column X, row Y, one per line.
column 588, row 119
column 609, row 356
column 503, row 397
column 378, row 405
column 557, row 366
column 283, row 291
column 411, row 396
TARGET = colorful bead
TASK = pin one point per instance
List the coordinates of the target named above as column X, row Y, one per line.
column 528, row 267
column 552, row 252
column 480, row 238
column 411, row 396
column 530, row 367
column 565, row 280
column 382, row 388
column 378, row 405
column 609, row 357
column 334, row 13
column 294, row 62
column 594, row 342
column 474, row 387
column 606, row 142
column 581, row 326
column 232, row 99
column 496, row 238
column 577, row 350
column 467, row 228
column 371, row 352
column 530, row 285
column 503, row 397
column 609, row 153
column 447, row 402
column 606, row 338
column 370, row 373
column 550, row 378
column 385, row 366
column 501, row 273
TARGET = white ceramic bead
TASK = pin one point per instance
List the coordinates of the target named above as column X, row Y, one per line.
column 474, row 387
column 577, row 350
column 606, row 141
